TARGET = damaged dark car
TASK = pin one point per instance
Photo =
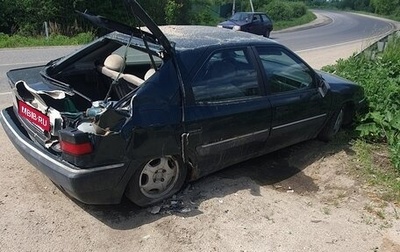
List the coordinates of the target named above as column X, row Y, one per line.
column 141, row 111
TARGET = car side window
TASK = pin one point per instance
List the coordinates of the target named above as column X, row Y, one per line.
column 227, row 75
column 284, row 71
column 256, row 18
column 265, row 19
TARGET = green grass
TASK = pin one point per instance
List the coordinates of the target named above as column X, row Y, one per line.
column 279, row 25
column 380, row 77
column 372, row 164
column 7, row 41
column 377, row 144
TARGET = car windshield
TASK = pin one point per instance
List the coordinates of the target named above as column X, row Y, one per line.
column 240, row 16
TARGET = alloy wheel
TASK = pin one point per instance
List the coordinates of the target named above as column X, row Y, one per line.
column 159, row 176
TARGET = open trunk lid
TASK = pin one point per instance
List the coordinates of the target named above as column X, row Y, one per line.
column 155, row 35
column 67, row 107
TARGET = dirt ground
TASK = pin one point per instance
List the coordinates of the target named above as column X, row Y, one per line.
column 303, row 198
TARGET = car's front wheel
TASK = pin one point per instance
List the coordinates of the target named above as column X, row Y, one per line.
column 267, row 34
column 157, row 179
column 333, row 126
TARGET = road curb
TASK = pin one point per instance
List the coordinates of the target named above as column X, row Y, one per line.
column 320, row 20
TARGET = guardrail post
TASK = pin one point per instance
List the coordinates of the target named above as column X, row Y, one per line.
column 46, row 29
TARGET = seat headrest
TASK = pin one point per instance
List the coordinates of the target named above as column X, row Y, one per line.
column 149, row 73
column 114, row 62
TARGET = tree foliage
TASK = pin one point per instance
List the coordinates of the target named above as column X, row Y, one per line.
column 381, row 7
column 26, row 17
column 285, row 10
column 386, row 7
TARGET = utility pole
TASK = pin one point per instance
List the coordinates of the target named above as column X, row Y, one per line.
column 234, row 6
column 251, row 4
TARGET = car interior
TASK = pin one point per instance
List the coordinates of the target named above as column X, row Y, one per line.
column 111, row 63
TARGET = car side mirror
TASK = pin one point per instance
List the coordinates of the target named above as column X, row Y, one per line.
column 323, row 87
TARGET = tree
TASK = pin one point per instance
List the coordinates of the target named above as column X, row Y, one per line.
column 177, row 12
column 385, row 7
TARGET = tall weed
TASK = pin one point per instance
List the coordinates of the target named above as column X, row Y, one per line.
column 380, row 78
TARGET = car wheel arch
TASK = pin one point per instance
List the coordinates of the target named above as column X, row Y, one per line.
column 333, row 124
column 349, row 110
column 193, row 172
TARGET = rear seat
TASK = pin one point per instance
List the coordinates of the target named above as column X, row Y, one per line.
column 113, row 67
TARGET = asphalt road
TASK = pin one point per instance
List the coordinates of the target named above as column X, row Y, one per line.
column 25, row 57
column 336, row 28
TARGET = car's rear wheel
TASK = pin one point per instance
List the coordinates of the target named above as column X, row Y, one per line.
column 157, row 179
column 333, row 126
column 267, row 34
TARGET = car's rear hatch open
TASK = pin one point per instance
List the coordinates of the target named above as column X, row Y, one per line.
column 51, row 110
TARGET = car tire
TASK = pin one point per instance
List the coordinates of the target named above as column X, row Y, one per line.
column 333, row 126
column 267, row 34
column 156, row 180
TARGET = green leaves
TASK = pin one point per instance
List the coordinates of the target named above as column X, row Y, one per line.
column 285, row 10
column 381, row 80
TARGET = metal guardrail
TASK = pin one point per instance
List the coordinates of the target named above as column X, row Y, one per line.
column 379, row 46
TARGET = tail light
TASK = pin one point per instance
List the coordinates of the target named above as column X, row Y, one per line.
column 76, row 149
column 75, row 142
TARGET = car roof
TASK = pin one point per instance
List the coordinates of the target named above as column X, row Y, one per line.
column 189, row 37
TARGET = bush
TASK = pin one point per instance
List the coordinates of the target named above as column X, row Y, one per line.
column 278, row 10
column 299, row 9
column 283, row 10
column 380, row 78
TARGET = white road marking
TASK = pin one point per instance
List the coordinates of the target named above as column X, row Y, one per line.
column 371, row 40
column 6, row 93
column 330, row 46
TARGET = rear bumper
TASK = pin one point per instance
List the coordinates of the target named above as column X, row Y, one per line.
column 98, row 185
